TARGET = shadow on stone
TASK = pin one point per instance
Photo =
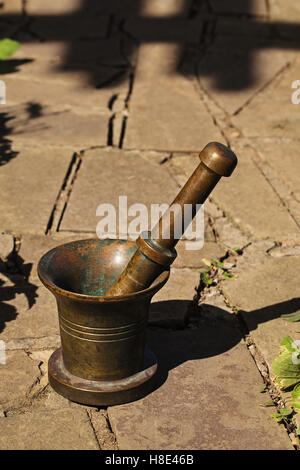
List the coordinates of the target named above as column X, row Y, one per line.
column 102, row 38
column 213, row 334
column 17, row 273
column 12, row 65
column 6, row 152
column 34, row 110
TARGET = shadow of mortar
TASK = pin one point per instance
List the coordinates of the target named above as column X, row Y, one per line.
column 217, row 332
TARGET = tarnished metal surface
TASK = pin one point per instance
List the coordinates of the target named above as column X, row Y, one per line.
column 159, row 251
column 101, row 392
column 103, row 338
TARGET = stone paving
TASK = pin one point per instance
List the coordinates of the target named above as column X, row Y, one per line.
column 117, row 98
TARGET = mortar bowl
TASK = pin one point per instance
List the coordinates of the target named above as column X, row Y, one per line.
column 103, row 359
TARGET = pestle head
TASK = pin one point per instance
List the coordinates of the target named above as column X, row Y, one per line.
column 219, row 159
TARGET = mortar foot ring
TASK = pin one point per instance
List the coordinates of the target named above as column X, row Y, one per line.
column 102, row 392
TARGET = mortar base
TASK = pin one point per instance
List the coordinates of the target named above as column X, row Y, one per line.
column 101, row 393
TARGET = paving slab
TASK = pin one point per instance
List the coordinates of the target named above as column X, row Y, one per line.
column 282, row 157
column 287, row 11
column 194, row 258
column 249, row 67
column 242, row 27
column 38, row 7
column 165, row 107
column 164, row 28
column 90, row 62
column 265, row 289
column 73, row 94
column 208, row 398
column 43, row 75
column 106, row 51
column 106, row 174
column 170, row 306
column 253, row 7
column 7, row 29
column 28, row 312
column 278, row 160
column 18, row 375
column 28, row 198
column 183, row 165
column 229, row 234
column 6, row 245
column 123, row 7
column 45, row 430
column 274, row 103
column 53, row 401
column 11, row 7
column 82, row 25
column 60, row 126
column 166, row 8
column 246, row 192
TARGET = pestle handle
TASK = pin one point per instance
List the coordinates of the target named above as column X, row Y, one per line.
column 156, row 250
column 216, row 161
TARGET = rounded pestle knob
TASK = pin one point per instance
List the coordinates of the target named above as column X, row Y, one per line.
column 219, row 158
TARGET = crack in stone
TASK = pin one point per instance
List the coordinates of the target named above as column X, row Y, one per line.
column 64, row 194
column 264, row 87
column 104, row 434
column 271, row 387
column 214, row 111
column 118, row 105
column 166, row 159
column 93, row 429
column 269, row 174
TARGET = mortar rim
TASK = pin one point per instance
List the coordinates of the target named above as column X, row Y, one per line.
column 56, row 290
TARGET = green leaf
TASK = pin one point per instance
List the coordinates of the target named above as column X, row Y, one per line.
column 296, row 398
column 292, row 317
column 285, row 411
column 208, row 263
column 287, row 372
column 263, row 390
column 284, row 368
column 228, row 275
column 233, row 250
column 277, row 417
column 7, row 48
column 268, row 403
column 287, row 344
column 206, row 279
column 285, row 384
column 218, row 263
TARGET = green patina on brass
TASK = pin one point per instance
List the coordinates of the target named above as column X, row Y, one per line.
column 103, row 359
